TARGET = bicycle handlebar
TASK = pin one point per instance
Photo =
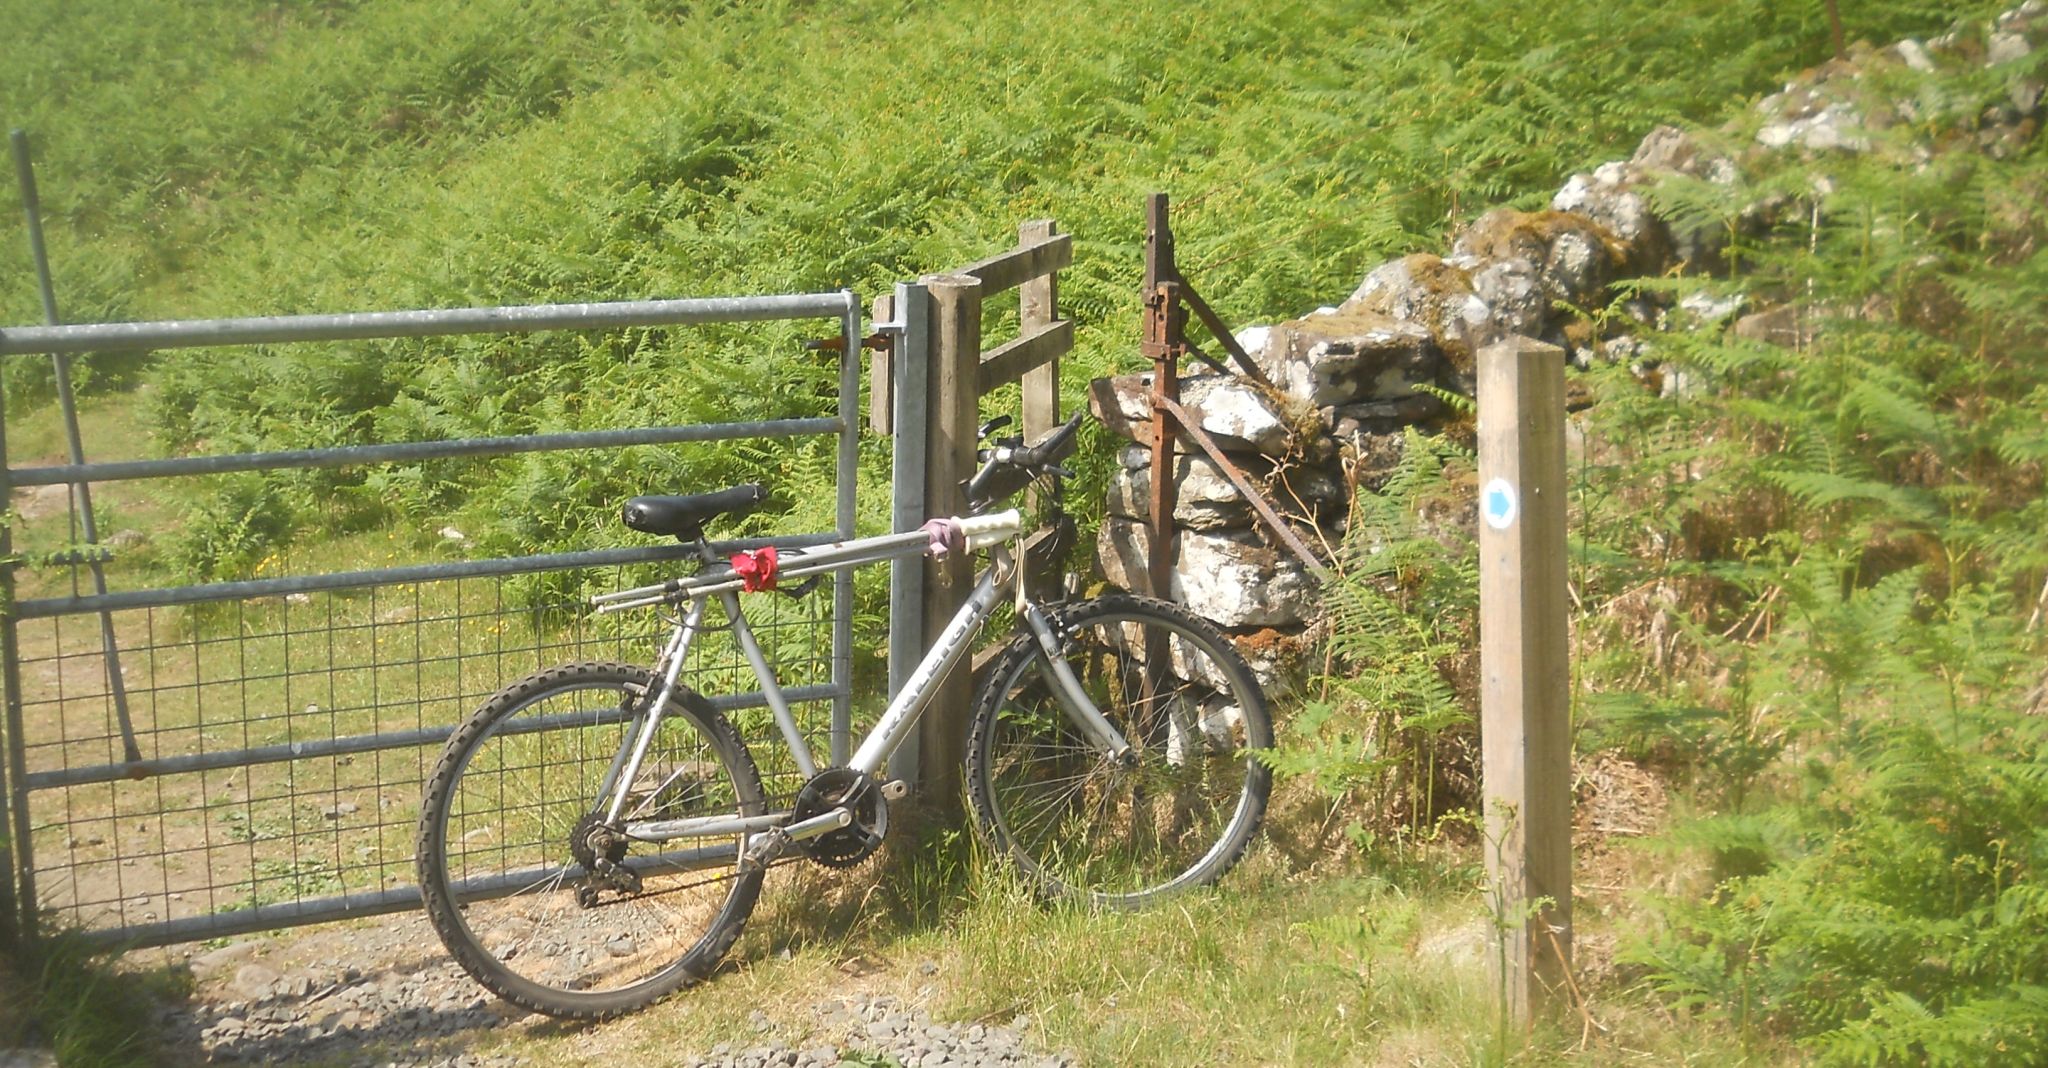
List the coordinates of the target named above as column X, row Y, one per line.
column 1055, row 447
column 1010, row 468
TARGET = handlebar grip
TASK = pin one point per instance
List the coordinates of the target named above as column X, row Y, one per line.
column 982, row 531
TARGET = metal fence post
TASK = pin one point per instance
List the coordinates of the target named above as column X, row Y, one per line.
column 17, row 914
column 847, row 478
column 1525, row 688
column 910, row 417
column 1163, row 342
column 949, row 460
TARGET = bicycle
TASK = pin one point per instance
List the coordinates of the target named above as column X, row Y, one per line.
column 594, row 837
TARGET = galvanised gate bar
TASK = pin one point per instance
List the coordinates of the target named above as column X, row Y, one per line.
column 255, row 759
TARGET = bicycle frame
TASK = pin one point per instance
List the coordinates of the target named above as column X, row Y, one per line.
column 997, row 581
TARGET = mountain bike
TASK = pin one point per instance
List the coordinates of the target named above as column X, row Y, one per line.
column 595, row 835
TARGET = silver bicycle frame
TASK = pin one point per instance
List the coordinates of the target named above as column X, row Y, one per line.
column 898, row 719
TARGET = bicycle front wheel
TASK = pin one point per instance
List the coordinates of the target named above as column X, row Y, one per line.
column 1176, row 813
column 505, row 865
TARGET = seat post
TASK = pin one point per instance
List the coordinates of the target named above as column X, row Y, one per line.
column 704, row 552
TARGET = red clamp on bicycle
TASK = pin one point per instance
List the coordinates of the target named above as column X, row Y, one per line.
column 756, row 569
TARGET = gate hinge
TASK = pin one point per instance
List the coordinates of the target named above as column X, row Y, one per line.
column 877, row 341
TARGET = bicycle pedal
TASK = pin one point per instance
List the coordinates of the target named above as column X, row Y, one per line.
column 763, row 849
column 895, row 790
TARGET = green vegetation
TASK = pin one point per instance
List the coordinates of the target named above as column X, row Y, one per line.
column 252, row 158
column 1852, row 534
column 68, row 999
column 1403, row 601
column 1387, row 967
column 1809, row 579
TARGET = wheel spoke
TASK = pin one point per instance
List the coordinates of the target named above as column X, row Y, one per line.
column 509, row 796
column 1188, row 801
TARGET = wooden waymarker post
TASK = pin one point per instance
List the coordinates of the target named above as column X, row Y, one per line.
column 1524, row 697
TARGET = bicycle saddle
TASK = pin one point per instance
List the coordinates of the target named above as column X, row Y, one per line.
column 684, row 516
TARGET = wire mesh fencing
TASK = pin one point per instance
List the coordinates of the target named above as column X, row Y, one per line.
column 289, row 738
column 191, row 761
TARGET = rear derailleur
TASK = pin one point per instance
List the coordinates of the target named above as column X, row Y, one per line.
column 602, row 853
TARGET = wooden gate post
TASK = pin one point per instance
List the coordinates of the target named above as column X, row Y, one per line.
column 1525, row 712
column 954, row 389
column 1038, row 306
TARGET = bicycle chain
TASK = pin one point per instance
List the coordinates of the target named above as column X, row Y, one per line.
column 783, row 800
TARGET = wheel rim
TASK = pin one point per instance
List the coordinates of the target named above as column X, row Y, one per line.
column 506, row 826
column 1170, row 818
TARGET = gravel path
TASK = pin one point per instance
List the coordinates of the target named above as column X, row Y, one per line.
column 885, row 1026
column 331, row 1014
column 333, row 1004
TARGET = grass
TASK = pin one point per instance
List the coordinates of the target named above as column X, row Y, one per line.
column 389, row 154
column 1350, row 966
column 69, row 999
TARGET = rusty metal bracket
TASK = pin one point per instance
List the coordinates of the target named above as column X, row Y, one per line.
column 875, row 342
column 1238, row 478
column 1161, row 328
column 1224, row 337
column 1161, row 267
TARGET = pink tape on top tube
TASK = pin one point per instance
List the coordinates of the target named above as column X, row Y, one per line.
column 947, row 536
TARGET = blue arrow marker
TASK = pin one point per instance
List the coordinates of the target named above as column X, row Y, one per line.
column 1497, row 503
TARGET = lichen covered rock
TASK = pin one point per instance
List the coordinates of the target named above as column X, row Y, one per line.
column 1612, row 196
column 1234, row 412
column 1205, row 499
column 1232, row 578
column 1524, row 263
column 1423, row 289
column 1348, row 356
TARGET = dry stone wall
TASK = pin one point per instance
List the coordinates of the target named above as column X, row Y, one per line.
column 1353, row 378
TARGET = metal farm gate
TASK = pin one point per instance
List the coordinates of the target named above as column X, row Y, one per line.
column 193, row 761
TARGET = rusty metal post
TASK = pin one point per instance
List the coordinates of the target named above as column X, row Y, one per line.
column 1160, row 318
column 1164, row 341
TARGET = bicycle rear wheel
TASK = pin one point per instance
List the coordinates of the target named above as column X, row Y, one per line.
column 1179, row 812
column 504, row 820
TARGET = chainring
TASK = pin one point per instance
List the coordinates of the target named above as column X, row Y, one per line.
column 855, row 842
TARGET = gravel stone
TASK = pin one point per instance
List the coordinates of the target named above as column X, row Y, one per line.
column 860, row 1029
